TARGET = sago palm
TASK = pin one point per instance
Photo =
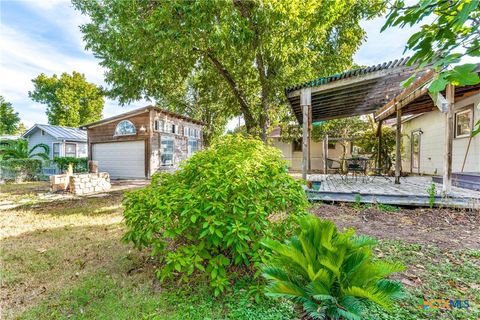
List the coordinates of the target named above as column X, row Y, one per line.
column 331, row 274
column 18, row 149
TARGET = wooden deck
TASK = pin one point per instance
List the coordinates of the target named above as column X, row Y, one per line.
column 412, row 191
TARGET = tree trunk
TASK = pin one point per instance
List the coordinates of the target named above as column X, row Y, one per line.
column 237, row 92
column 264, row 119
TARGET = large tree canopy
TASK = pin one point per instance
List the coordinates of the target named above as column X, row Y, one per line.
column 71, row 100
column 9, row 119
column 243, row 53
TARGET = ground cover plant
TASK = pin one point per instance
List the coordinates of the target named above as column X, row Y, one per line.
column 212, row 214
column 330, row 273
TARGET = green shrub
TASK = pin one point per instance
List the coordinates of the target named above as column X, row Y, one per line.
column 211, row 214
column 20, row 169
column 330, row 273
column 79, row 164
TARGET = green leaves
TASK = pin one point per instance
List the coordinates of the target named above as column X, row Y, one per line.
column 9, row 119
column 341, row 276
column 70, row 99
column 450, row 34
column 213, row 212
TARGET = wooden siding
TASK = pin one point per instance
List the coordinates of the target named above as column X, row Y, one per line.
column 105, row 132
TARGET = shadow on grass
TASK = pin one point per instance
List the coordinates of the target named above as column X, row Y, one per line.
column 88, row 273
column 88, row 205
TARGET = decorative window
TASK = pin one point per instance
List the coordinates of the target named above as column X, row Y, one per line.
column 158, row 125
column 56, row 150
column 192, row 146
column 463, row 123
column 166, row 151
column 125, row 128
column 70, row 150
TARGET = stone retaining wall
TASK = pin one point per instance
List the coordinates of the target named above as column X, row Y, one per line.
column 84, row 183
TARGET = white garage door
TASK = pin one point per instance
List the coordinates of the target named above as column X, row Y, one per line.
column 122, row 160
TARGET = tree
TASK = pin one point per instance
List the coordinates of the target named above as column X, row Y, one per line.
column 9, row 119
column 255, row 49
column 18, row 149
column 453, row 35
column 71, row 100
column 344, row 128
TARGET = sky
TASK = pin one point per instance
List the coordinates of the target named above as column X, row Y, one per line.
column 43, row 36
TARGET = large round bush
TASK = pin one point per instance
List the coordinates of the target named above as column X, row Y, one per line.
column 213, row 212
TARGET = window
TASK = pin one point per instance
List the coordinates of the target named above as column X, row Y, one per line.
column 166, row 151
column 332, row 145
column 70, row 150
column 185, row 131
column 297, row 145
column 192, row 146
column 158, row 125
column 43, row 133
column 125, row 128
column 56, row 150
column 463, row 123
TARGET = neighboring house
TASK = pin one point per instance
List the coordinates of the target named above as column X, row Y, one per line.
column 423, row 139
column 141, row 142
column 63, row 141
column 292, row 151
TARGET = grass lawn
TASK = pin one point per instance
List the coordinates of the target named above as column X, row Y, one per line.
column 64, row 259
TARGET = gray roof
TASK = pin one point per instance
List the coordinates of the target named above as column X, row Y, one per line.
column 59, row 132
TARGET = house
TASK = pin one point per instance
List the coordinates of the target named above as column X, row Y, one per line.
column 136, row 144
column 63, row 141
column 423, row 139
column 292, row 151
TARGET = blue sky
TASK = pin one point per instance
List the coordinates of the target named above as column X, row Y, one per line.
column 43, row 36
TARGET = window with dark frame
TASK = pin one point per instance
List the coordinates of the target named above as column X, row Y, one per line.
column 297, row 145
column 56, row 150
column 464, row 122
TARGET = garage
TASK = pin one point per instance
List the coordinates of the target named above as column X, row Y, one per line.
column 122, row 160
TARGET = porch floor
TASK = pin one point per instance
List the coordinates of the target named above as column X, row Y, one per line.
column 411, row 191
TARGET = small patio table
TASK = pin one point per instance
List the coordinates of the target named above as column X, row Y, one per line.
column 357, row 166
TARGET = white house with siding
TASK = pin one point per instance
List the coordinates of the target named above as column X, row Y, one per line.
column 424, row 140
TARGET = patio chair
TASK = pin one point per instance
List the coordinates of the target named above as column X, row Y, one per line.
column 382, row 171
column 334, row 165
column 357, row 167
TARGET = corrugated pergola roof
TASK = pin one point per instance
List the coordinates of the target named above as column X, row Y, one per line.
column 353, row 92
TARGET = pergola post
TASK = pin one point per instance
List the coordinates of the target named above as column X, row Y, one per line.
column 447, row 158
column 306, row 105
column 379, row 135
column 398, row 150
column 325, row 154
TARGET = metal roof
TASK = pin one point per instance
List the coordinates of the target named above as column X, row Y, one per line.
column 59, row 132
column 349, row 74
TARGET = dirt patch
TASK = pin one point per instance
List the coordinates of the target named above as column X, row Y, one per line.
column 446, row 228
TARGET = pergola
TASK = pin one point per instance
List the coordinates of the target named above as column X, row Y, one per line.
column 351, row 93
